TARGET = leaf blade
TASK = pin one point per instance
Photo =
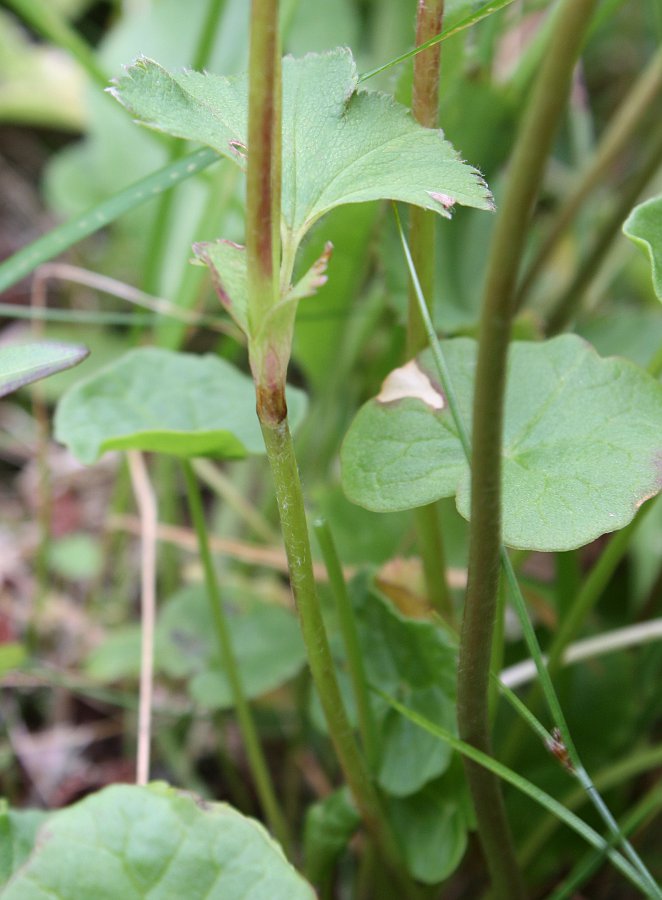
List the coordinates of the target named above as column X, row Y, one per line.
column 582, row 448
column 22, row 364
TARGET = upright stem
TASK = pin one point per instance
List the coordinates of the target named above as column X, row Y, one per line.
column 263, row 174
column 280, row 452
column 527, row 168
column 256, row 760
column 263, row 251
column 425, row 105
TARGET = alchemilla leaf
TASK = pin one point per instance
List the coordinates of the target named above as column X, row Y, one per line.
column 158, row 843
column 340, row 145
column 582, row 442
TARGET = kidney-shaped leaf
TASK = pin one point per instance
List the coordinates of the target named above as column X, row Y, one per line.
column 22, row 364
column 158, row 400
column 644, row 227
column 340, row 145
column 154, row 842
column 582, row 442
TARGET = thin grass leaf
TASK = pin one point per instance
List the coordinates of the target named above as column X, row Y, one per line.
column 466, row 22
column 59, row 239
column 526, row 787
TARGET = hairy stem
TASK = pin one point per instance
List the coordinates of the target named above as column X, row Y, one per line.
column 263, row 257
column 263, row 173
column 527, row 168
column 282, row 460
column 425, row 105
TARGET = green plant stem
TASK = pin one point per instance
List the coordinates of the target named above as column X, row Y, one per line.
column 263, row 173
column 467, row 22
column 527, row 167
column 256, row 760
column 517, row 597
column 425, row 106
column 431, row 545
column 566, row 306
column 263, row 251
column 350, row 635
column 289, row 495
column 631, row 112
column 61, row 238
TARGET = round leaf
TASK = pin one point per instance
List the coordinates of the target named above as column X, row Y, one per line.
column 154, row 842
column 582, row 442
column 166, row 402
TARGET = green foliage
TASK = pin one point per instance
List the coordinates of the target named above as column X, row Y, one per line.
column 581, row 443
column 330, row 823
column 265, row 637
column 18, row 830
column 174, row 403
column 140, row 842
column 22, row 364
column 348, row 149
column 582, row 448
column 432, row 826
column 644, row 227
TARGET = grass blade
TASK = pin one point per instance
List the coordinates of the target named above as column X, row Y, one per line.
column 64, row 236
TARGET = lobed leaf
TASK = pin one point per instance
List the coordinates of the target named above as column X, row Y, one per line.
column 340, row 145
column 154, row 842
column 644, row 227
column 582, row 442
column 158, row 400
